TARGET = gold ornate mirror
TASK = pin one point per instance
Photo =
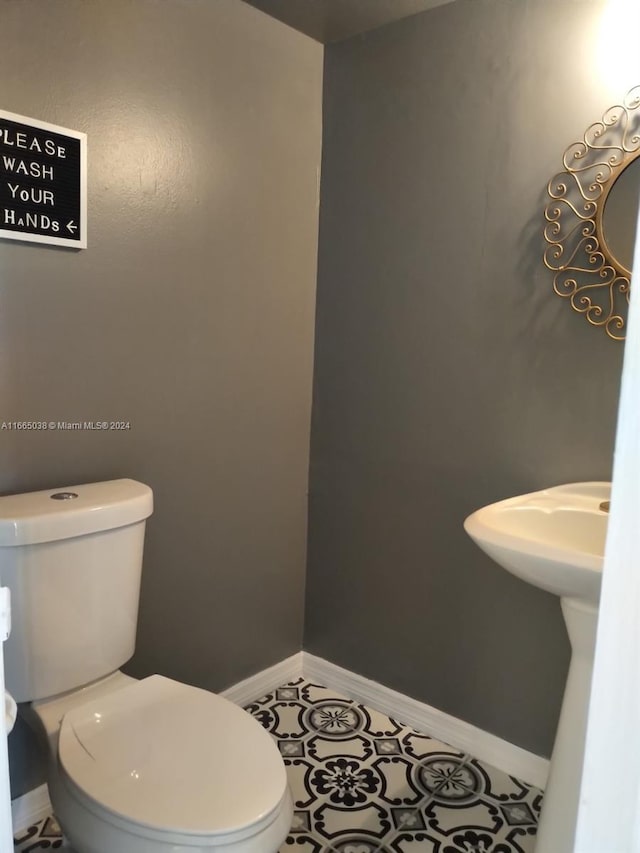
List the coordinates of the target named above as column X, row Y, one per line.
column 592, row 215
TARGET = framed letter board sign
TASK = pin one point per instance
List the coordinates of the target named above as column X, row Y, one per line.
column 43, row 182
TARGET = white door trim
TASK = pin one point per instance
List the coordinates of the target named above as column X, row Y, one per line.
column 609, row 816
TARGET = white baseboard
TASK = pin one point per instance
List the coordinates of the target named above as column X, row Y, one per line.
column 30, row 808
column 462, row 736
column 264, row 682
column 34, row 805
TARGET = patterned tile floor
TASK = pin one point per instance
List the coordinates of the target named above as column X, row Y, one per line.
column 363, row 783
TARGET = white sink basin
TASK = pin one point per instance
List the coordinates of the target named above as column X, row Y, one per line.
column 553, row 539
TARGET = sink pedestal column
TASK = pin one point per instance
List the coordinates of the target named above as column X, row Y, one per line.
column 557, row 825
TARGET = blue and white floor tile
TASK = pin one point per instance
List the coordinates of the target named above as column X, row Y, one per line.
column 363, row 783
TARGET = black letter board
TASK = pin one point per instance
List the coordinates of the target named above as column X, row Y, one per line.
column 43, row 182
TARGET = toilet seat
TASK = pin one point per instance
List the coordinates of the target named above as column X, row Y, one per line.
column 175, row 759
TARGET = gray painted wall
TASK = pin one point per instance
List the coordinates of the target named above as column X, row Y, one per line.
column 448, row 375
column 190, row 314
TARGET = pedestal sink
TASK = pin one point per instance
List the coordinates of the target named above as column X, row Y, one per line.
column 554, row 539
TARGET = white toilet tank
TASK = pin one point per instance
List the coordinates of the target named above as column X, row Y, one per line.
column 72, row 559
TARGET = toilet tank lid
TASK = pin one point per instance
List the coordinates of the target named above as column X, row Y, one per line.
column 63, row 513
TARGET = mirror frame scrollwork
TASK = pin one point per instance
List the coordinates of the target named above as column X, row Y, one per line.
column 586, row 272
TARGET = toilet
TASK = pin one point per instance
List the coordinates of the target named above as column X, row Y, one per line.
column 134, row 766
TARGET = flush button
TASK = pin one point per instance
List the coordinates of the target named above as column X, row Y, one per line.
column 63, row 496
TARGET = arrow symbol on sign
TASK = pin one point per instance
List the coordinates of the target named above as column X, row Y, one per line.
column 71, row 227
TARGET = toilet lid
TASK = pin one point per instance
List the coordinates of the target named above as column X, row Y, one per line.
column 173, row 757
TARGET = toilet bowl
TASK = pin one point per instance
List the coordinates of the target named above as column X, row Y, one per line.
column 149, row 766
column 156, row 765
